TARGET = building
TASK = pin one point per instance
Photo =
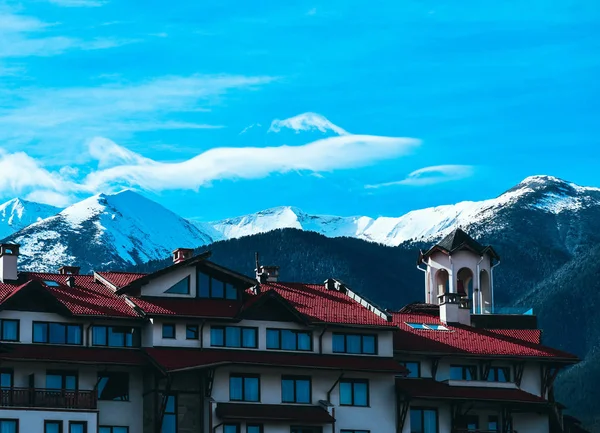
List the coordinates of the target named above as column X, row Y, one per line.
column 196, row 347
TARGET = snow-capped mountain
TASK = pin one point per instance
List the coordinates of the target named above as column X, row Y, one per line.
column 17, row 214
column 107, row 230
column 546, row 193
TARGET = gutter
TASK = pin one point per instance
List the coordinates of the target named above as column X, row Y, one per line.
column 321, row 340
column 333, row 386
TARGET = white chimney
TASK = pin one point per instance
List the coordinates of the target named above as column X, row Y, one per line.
column 9, row 254
column 455, row 308
column 181, row 254
column 69, row 270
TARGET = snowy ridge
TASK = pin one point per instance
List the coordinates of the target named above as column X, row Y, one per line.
column 17, row 214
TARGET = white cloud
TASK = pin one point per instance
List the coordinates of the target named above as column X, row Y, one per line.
column 306, row 122
column 52, row 198
column 431, row 175
column 249, row 127
column 79, row 3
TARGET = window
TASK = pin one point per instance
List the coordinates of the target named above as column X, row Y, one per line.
column 287, row 339
column 423, row 420
column 116, row 336
column 355, row 343
column 254, row 428
column 6, row 379
column 51, row 283
column 499, row 374
column 168, row 330
column 471, row 423
column 355, row 431
column 57, row 333
column 295, row 389
column 492, row 423
column 61, row 380
column 354, row 392
column 210, row 287
column 244, row 387
column 234, row 336
column 169, row 424
column 192, row 332
column 413, row 367
column 181, row 288
column 463, row 372
column 428, row 326
column 9, row 425
column 9, row 330
column 52, row 427
column 231, row 428
column 77, row 427
column 306, row 430
column 113, row 386
column 106, row 429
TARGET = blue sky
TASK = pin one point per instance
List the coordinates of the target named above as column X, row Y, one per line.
column 383, row 107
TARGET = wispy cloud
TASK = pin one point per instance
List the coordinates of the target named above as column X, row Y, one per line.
column 307, row 122
column 79, row 3
column 431, row 175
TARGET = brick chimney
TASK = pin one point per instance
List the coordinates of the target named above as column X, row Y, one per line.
column 181, row 254
column 9, row 254
column 69, row 270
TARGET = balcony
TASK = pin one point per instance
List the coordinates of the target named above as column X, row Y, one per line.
column 48, row 398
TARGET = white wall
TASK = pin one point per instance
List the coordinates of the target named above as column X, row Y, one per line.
column 159, row 285
column 32, row 421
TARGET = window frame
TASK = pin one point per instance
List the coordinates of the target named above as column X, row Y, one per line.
column 403, row 363
column 47, row 334
column 210, row 287
column 54, row 421
column 135, row 340
column 295, row 378
column 422, row 409
column 261, row 427
column 167, row 324
column 241, row 328
column 11, row 371
column 237, row 426
column 2, row 321
column 188, row 280
column 362, row 336
column 112, row 427
column 353, row 382
column 495, row 369
column 16, row 420
column 83, row 423
column 296, row 332
column 197, row 330
column 63, row 374
column 464, row 369
column 102, row 374
column 244, row 376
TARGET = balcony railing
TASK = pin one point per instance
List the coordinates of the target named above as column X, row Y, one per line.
column 48, row 398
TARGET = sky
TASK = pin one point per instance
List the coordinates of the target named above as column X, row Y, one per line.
column 219, row 108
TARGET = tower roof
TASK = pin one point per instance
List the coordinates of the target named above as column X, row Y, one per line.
column 459, row 240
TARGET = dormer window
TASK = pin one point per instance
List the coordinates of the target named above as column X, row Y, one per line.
column 210, row 287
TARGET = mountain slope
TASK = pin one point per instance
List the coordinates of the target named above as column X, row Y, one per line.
column 106, row 231
column 17, row 214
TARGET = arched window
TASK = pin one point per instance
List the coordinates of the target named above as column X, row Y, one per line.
column 464, row 282
column 442, row 282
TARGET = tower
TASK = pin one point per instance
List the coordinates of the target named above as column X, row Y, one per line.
column 459, row 270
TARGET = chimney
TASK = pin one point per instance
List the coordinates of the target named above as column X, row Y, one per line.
column 70, row 281
column 454, row 308
column 9, row 254
column 69, row 270
column 330, row 284
column 181, row 254
column 270, row 272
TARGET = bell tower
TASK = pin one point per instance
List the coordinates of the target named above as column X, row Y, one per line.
column 459, row 271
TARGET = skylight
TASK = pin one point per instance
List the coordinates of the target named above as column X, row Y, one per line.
column 429, row 326
column 51, row 283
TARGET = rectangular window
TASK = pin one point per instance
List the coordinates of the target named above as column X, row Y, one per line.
column 169, row 424
column 116, row 336
column 192, row 332
column 77, row 427
column 52, row 427
column 254, row 428
column 413, row 367
column 113, row 386
column 295, row 389
column 231, row 428
column 492, row 423
column 471, row 423
column 61, row 380
column 423, row 420
column 288, row 339
column 9, row 425
column 6, row 379
column 244, row 387
column 463, row 372
column 210, row 287
column 9, row 330
column 499, row 374
column 354, row 392
column 112, row 429
column 168, row 330
column 57, row 333
column 234, row 336
column 355, row 343
column 306, row 430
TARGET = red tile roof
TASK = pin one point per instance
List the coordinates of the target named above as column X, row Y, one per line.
column 431, row 389
column 188, row 307
column 173, row 359
column 529, row 335
column 273, row 412
column 465, row 340
column 325, row 306
column 72, row 354
column 120, row 279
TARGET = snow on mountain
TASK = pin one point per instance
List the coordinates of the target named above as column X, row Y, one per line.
column 112, row 230
column 545, row 193
column 17, row 214
column 306, row 122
